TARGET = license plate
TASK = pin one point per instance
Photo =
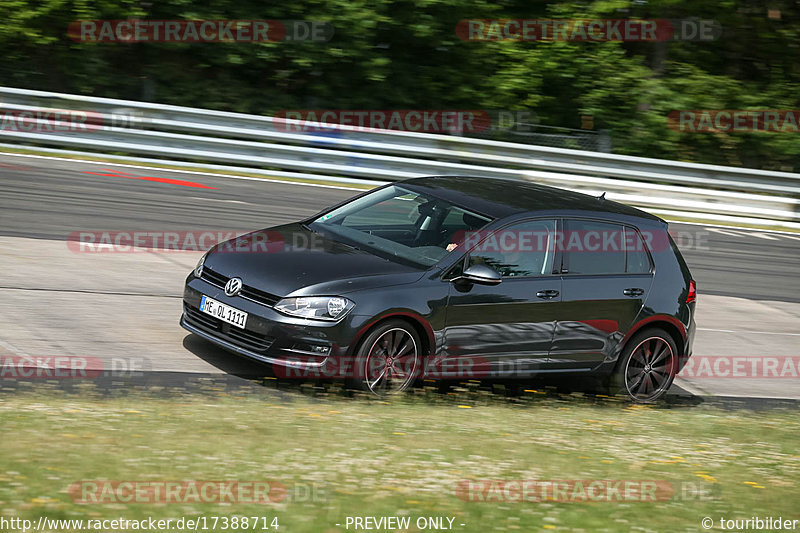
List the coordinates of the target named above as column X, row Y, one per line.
column 226, row 313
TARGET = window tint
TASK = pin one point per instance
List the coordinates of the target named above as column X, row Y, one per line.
column 457, row 217
column 400, row 210
column 592, row 247
column 400, row 224
column 458, row 224
column 524, row 249
column 638, row 261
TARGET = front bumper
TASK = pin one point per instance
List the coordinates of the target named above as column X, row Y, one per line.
column 269, row 336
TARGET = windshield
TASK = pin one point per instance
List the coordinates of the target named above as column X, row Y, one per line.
column 402, row 223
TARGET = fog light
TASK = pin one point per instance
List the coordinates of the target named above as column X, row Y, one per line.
column 317, row 349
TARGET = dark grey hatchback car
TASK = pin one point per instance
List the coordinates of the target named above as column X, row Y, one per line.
column 454, row 278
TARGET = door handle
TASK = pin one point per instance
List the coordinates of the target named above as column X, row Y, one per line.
column 633, row 292
column 547, row 294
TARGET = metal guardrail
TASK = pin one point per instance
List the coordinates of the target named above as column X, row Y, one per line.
column 263, row 144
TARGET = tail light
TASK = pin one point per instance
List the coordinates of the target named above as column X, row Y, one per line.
column 692, row 296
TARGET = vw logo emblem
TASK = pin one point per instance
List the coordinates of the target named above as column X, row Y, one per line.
column 233, row 286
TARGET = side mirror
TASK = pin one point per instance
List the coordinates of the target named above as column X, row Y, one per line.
column 480, row 274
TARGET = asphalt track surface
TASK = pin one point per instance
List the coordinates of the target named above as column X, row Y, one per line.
column 50, row 199
column 120, row 310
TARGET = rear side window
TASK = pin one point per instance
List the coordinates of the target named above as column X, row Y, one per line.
column 593, row 247
column 596, row 247
column 637, row 260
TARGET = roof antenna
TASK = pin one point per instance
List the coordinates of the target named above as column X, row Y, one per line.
column 602, row 196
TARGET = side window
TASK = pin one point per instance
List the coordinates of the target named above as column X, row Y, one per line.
column 592, row 247
column 637, row 259
column 524, row 249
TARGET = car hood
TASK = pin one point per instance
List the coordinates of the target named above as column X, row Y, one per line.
column 291, row 260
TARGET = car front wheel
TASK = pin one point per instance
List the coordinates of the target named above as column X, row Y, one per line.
column 388, row 359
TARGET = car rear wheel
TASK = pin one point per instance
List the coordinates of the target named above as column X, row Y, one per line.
column 647, row 366
column 388, row 359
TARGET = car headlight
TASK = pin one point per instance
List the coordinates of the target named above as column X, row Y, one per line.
column 198, row 269
column 316, row 307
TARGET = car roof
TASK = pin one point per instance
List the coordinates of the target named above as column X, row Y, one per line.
column 501, row 198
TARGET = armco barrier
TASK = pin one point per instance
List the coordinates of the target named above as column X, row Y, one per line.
column 263, row 144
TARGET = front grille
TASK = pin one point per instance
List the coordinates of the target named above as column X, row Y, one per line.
column 213, row 278
column 247, row 292
column 242, row 338
column 265, row 298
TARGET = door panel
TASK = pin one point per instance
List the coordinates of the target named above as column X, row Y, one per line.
column 593, row 317
column 507, row 328
column 606, row 277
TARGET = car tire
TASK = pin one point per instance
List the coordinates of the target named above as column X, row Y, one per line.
column 388, row 359
column 647, row 366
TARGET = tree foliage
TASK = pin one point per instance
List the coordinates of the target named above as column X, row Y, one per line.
column 406, row 54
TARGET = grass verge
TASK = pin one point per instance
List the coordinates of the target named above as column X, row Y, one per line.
column 340, row 457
